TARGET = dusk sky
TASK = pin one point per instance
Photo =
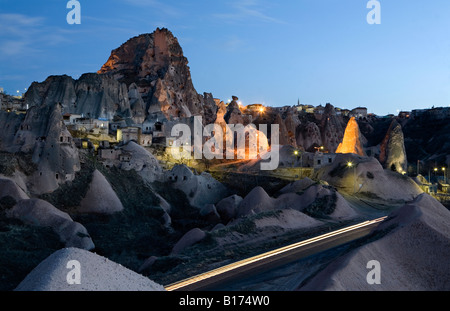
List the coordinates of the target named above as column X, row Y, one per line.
column 271, row 52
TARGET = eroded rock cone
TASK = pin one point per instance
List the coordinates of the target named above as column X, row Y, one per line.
column 352, row 141
column 393, row 153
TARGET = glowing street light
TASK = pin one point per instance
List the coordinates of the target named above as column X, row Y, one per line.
column 350, row 165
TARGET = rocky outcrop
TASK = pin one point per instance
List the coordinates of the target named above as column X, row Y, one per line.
column 100, row 198
column 393, row 153
column 200, row 189
column 316, row 201
column 137, row 104
column 41, row 213
column 234, row 114
column 97, row 274
column 42, row 134
column 297, row 186
column 210, row 214
column 227, row 207
column 309, row 136
column 332, row 129
column 291, row 123
column 92, row 95
column 156, row 64
column 257, row 201
column 353, row 139
column 141, row 161
column 366, row 176
column 191, row 237
column 10, row 188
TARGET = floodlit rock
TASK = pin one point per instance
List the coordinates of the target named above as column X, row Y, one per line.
column 190, row 238
column 392, row 149
column 100, row 198
column 352, row 141
column 413, row 255
column 10, row 188
column 96, row 273
column 41, row 213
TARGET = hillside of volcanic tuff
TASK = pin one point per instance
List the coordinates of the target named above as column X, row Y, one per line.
column 156, row 65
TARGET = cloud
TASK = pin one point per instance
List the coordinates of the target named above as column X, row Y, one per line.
column 248, row 10
column 156, row 4
column 233, row 44
column 22, row 34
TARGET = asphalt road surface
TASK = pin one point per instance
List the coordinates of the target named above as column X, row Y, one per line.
column 259, row 264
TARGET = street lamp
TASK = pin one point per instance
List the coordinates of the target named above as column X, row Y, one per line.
column 444, row 174
column 350, row 165
column 296, row 158
column 261, row 111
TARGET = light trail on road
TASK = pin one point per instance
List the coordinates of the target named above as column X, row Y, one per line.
column 277, row 252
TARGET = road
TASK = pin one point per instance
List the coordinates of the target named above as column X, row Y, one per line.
column 263, row 262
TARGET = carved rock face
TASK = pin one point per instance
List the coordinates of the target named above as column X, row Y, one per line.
column 94, row 96
column 155, row 63
column 42, row 134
